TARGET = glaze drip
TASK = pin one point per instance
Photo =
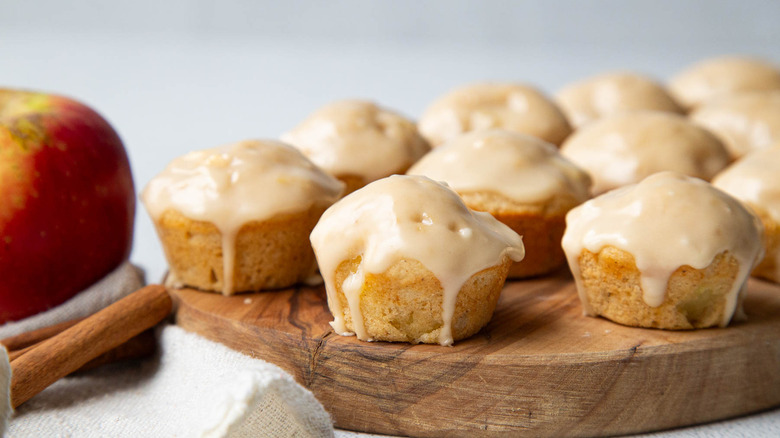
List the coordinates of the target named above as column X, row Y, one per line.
column 666, row 221
column 237, row 183
column 407, row 217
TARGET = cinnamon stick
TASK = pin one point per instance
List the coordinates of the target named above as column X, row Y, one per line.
column 68, row 351
column 24, row 340
column 142, row 345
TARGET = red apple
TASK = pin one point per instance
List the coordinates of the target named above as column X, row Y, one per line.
column 67, row 201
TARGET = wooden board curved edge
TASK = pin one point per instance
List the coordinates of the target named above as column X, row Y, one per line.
column 638, row 394
column 620, row 380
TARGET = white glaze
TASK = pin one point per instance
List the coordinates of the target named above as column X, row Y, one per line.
column 717, row 77
column 353, row 137
column 237, row 183
column 625, row 148
column 666, row 221
column 520, row 167
column 745, row 121
column 612, row 93
column 407, row 217
column 755, row 180
column 514, row 107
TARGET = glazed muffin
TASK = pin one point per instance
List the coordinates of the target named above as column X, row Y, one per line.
column 613, row 93
column 404, row 260
column 755, row 180
column 521, row 180
column 625, row 148
column 718, row 77
column 358, row 142
column 237, row 218
column 744, row 122
column 513, row 107
column 670, row 252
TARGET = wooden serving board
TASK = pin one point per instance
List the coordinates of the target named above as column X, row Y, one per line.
column 540, row 368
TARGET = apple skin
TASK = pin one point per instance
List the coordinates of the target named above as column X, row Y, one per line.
column 67, row 201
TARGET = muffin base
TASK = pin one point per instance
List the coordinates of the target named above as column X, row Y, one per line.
column 540, row 225
column 352, row 183
column 695, row 298
column 269, row 254
column 769, row 268
column 404, row 304
column 542, row 240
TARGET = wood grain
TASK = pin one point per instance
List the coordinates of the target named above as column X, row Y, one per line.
column 540, row 368
column 68, row 351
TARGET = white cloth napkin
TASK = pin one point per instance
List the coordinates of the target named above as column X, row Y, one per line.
column 193, row 387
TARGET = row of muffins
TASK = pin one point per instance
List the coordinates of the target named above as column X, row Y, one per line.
column 237, row 218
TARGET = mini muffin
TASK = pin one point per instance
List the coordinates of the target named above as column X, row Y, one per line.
column 625, row 148
column 718, row 77
column 613, row 93
column 521, row 180
column 513, row 107
column 744, row 122
column 358, row 141
column 670, row 252
column 237, row 218
column 404, row 260
column 755, row 180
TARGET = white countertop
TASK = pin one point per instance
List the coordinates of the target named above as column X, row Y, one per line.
column 207, row 76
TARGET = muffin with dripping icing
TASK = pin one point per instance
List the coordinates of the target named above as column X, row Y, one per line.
column 521, row 180
column 670, row 252
column 613, row 93
column 513, row 107
column 714, row 78
column 625, row 148
column 744, row 122
column 755, row 180
column 358, row 141
column 237, row 217
column 404, row 260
